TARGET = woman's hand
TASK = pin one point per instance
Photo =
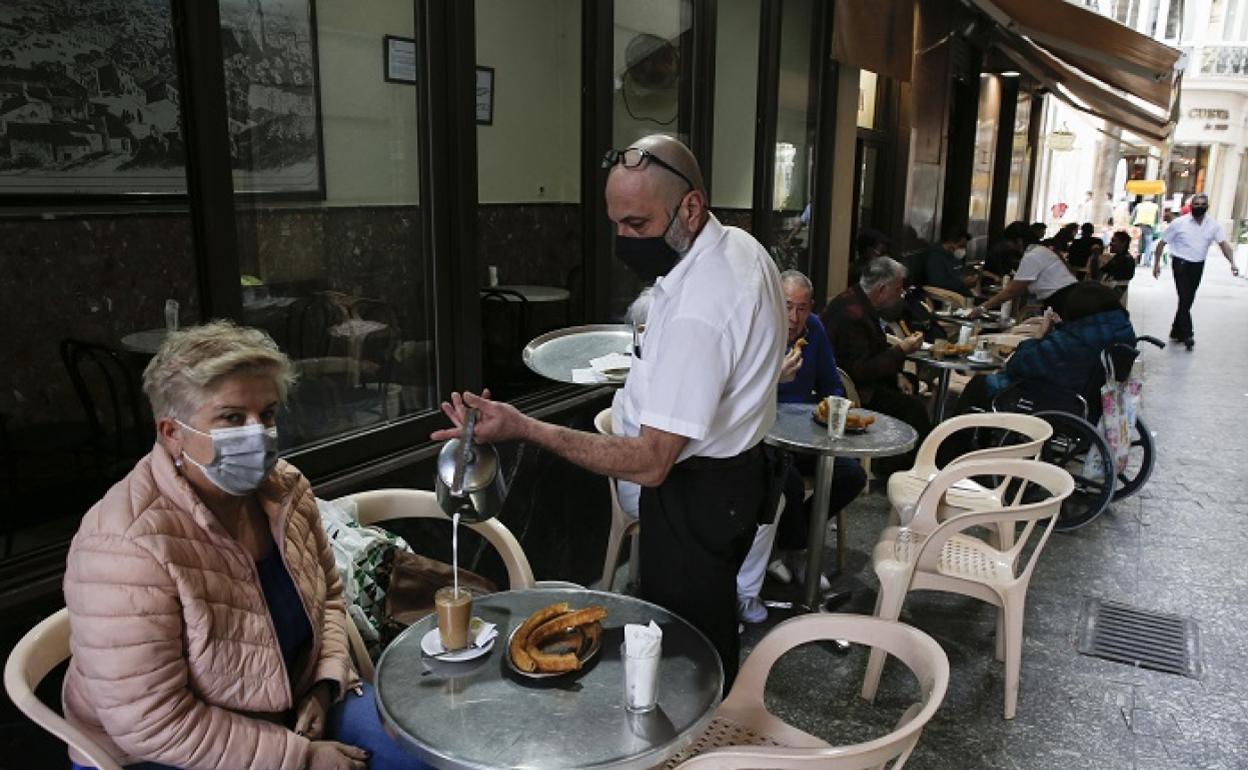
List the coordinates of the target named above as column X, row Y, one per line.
column 332, row 755
column 790, row 364
column 311, row 713
column 496, row 421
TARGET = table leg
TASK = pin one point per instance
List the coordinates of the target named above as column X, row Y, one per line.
column 942, row 392
column 818, row 528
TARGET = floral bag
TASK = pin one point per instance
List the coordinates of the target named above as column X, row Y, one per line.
column 1120, row 400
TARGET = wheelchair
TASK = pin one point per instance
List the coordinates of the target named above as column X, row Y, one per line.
column 1074, row 417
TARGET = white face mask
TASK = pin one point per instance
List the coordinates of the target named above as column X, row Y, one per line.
column 241, row 457
column 959, row 253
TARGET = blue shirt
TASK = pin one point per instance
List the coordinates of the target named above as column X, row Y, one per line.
column 290, row 619
column 817, row 378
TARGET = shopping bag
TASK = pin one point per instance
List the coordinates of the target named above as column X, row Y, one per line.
column 1120, row 401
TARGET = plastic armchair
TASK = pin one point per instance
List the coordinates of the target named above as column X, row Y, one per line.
column 930, row 555
column 622, row 524
column 379, row 505
column 42, row 649
column 905, row 487
column 743, row 734
column 948, row 299
column 851, row 392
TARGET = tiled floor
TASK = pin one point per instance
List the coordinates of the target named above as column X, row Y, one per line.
column 1177, row 546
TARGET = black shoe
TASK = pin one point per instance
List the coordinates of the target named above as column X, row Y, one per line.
column 1190, row 342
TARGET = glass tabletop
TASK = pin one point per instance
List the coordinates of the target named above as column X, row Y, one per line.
column 481, row 714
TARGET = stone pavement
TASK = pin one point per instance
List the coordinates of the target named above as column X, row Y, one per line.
column 1178, row 546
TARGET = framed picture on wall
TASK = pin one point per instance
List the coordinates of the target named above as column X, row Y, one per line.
column 485, row 95
column 400, row 60
column 90, row 104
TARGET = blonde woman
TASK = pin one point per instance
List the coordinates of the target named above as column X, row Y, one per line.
column 207, row 618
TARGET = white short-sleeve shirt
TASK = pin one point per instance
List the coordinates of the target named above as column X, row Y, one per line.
column 711, row 351
column 1190, row 240
column 1046, row 271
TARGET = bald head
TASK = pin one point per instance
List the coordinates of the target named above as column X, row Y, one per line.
column 651, row 200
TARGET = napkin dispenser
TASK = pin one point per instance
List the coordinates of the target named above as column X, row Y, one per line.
column 469, row 477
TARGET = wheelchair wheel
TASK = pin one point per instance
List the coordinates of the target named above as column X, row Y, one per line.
column 1139, row 462
column 1073, row 439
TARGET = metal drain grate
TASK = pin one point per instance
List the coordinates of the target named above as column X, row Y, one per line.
column 1126, row 634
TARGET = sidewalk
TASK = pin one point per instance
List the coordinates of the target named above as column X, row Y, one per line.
column 1178, row 546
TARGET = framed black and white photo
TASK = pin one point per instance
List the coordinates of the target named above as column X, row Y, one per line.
column 400, row 55
column 485, row 95
column 90, row 103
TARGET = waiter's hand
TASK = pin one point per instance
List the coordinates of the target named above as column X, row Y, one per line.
column 790, row 364
column 911, row 343
column 496, row 422
column 1234, row 270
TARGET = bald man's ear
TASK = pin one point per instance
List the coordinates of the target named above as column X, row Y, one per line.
column 693, row 209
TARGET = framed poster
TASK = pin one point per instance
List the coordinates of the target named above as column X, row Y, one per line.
column 90, row 102
column 400, row 61
column 485, row 95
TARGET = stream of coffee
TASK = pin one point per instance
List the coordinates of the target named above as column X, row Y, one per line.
column 455, row 550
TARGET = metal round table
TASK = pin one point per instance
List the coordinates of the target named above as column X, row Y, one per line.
column 947, row 366
column 555, row 354
column 796, row 430
column 991, row 323
column 480, row 714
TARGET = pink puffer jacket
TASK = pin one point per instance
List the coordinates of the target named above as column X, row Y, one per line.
column 175, row 659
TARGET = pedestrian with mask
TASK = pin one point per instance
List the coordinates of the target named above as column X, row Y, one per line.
column 1189, row 238
column 699, row 398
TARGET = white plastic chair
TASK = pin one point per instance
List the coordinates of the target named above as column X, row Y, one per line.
column 42, row 649
column 950, row 300
column 743, row 734
column 904, row 487
column 930, row 555
column 379, row 505
column 622, row 525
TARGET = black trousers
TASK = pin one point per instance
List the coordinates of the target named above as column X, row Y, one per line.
column 848, row 479
column 1186, row 281
column 696, row 529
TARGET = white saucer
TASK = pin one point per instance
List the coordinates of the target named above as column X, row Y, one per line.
column 431, row 643
column 979, row 360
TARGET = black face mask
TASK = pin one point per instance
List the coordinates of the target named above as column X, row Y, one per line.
column 648, row 258
column 1199, row 211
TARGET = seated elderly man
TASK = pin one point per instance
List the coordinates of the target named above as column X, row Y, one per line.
column 814, row 377
column 856, row 331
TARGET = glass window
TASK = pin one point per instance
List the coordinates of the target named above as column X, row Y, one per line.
column 1020, row 159
column 89, row 107
column 795, row 124
column 528, row 182
column 324, row 151
column 652, row 38
column 736, row 100
column 989, row 113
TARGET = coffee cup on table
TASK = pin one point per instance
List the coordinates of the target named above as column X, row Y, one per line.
column 454, row 608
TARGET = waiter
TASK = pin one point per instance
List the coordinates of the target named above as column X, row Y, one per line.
column 700, row 396
column 1190, row 237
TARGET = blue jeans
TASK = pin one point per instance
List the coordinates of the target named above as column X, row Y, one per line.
column 1146, row 245
column 353, row 721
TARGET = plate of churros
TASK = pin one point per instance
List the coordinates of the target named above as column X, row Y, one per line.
column 555, row 640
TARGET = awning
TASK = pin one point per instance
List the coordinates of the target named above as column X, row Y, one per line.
column 876, row 36
column 1082, row 92
column 1099, row 46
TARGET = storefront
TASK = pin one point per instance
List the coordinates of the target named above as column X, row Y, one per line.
column 1208, row 151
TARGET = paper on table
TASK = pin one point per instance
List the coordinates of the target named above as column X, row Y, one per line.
column 587, row 377
column 482, row 631
column 642, row 641
column 611, row 361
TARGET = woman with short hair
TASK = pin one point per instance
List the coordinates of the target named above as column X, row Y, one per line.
column 206, row 613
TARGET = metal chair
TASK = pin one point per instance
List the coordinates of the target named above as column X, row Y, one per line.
column 743, row 734
column 42, row 649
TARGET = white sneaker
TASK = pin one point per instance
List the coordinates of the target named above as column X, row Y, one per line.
column 780, row 571
column 750, row 609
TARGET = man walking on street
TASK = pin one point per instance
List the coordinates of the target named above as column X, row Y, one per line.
column 1190, row 237
column 1145, row 217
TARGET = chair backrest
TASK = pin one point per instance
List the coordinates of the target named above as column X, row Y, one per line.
column 42, row 649
column 109, row 392
column 918, row 651
column 1036, row 430
column 1055, row 481
column 949, row 299
column 602, row 422
column 851, row 390
column 379, row 505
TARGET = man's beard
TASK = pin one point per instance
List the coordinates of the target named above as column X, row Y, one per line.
column 678, row 237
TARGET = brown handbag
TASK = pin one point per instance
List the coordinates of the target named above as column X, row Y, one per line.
column 413, row 579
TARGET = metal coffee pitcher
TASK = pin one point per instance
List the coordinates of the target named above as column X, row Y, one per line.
column 470, row 478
